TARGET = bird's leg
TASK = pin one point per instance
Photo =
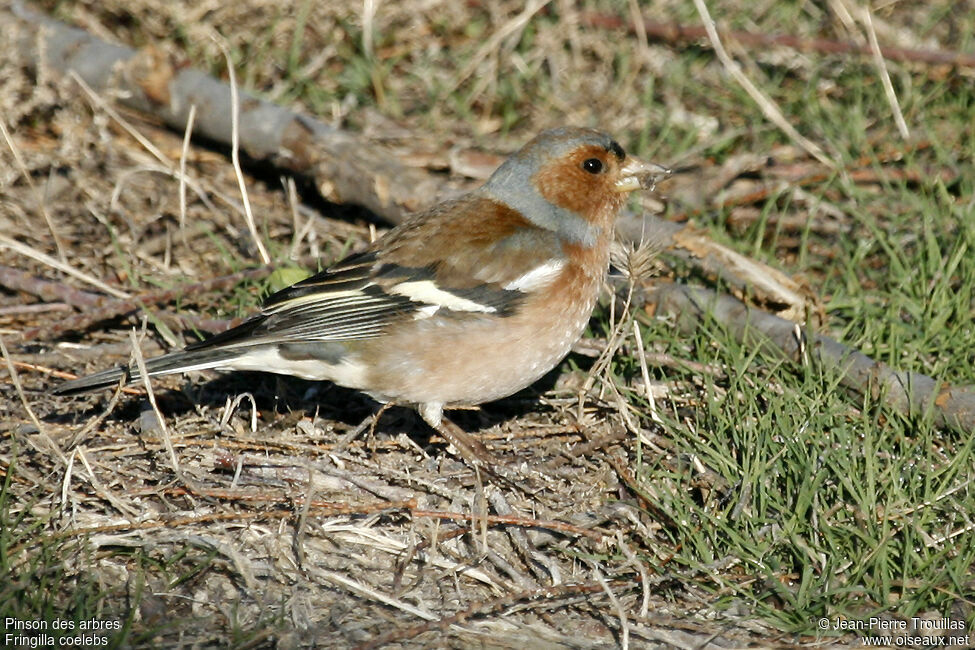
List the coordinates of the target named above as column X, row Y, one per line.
column 468, row 448
column 475, row 454
column 471, row 450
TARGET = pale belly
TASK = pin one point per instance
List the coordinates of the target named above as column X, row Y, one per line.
column 474, row 360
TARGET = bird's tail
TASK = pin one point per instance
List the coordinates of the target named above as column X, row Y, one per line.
column 182, row 361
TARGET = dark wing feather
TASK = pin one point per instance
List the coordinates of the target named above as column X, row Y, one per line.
column 349, row 273
column 362, row 295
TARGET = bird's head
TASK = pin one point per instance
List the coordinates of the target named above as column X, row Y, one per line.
column 571, row 180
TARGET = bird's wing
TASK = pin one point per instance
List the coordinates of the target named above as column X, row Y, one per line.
column 494, row 259
column 341, row 303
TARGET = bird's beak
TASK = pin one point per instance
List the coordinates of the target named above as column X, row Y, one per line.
column 637, row 174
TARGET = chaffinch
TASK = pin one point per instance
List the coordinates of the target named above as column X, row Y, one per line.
column 464, row 303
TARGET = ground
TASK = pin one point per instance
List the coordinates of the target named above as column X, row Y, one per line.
column 664, row 486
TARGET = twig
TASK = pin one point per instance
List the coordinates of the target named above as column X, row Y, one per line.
column 36, row 308
column 369, row 592
column 863, row 170
column 49, row 290
column 866, row 18
column 620, row 612
column 99, row 308
column 526, row 522
column 144, row 374
column 183, row 155
column 640, row 566
column 640, row 29
column 235, row 154
column 121, row 121
column 622, row 469
column 346, row 168
column 538, row 596
column 368, row 15
column 333, row 507
column 674, row 33
column 81, row 434
column 908, row 393
column 100, row 489
column 770, row 110
column 43, row 258
column 494, row 41
column 299, row 232
column 519, row 539
column 600, row 370
column 165, row 163
column 173, row 522
column 38, row 197
column 15, row 380
column 645, row 373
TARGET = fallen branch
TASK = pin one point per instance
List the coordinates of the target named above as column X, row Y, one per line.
column 107, row 308
column 96, row 307
column 909, row 393
column 345, row 168
column 49, row 290
column 759, row 282
column 674, row 33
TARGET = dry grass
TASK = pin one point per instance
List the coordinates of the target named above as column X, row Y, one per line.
column 256, row 522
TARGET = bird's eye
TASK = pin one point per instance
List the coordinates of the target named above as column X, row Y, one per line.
column 592, row 165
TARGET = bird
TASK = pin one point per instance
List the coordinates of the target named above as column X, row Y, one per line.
column 464, row 303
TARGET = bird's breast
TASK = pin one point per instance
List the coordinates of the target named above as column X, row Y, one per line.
column 472, row 358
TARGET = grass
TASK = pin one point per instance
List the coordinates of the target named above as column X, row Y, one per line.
column 41, row 586
column 834, row 507
column 819, row 502
column 37, row 588
column 837, row 506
